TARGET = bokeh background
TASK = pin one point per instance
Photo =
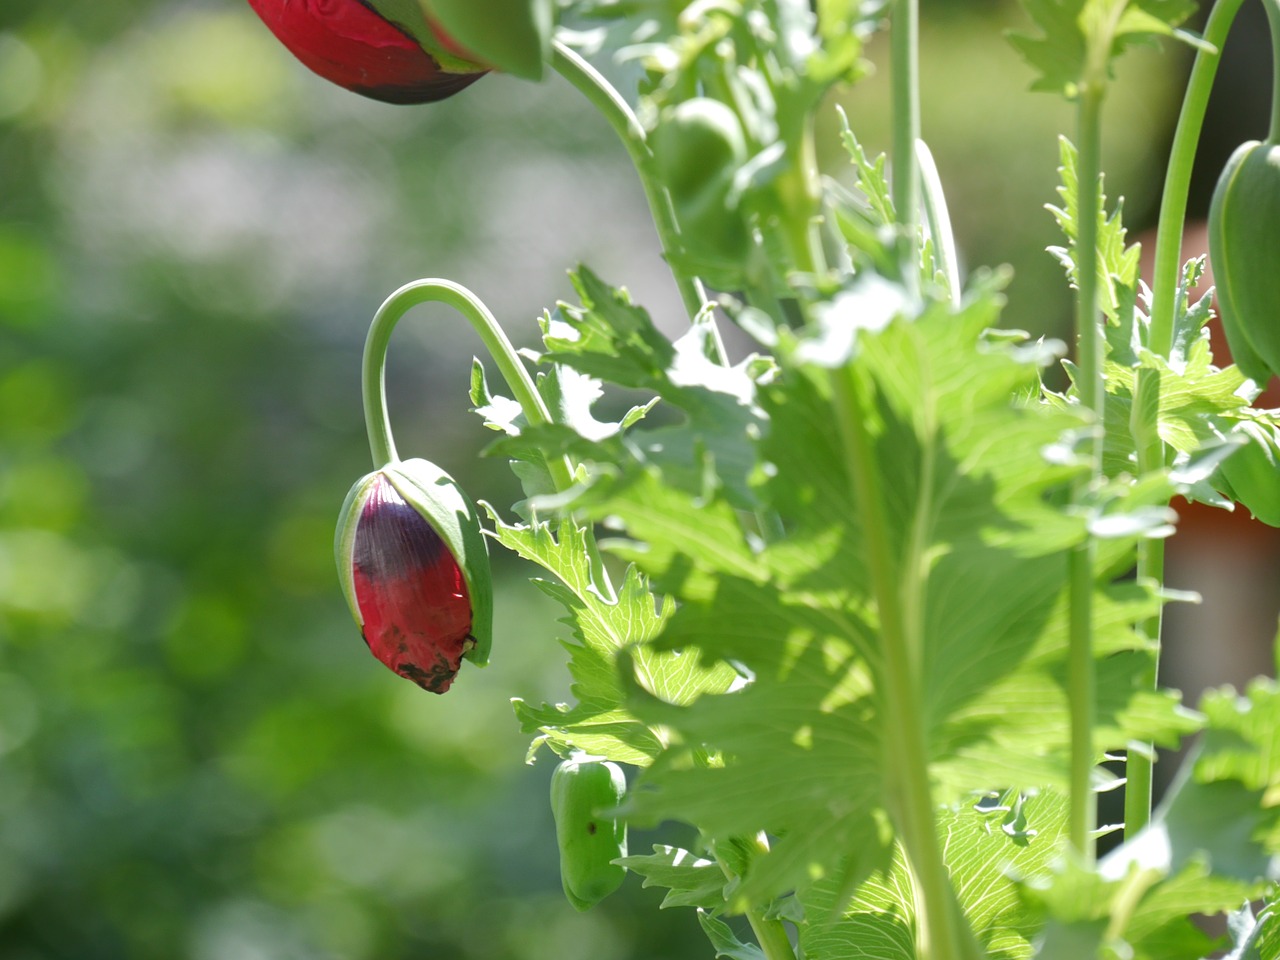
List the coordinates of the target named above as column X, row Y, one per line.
column 198, row 758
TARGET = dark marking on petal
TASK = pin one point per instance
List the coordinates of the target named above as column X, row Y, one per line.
column 411, row 592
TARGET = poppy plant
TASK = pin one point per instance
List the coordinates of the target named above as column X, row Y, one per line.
column 415, row 572
column 350, row 43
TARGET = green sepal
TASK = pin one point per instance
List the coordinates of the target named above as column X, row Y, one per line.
column 411, row 17
column 344, row 541
column 512, row 35
column 444, row 505
column 583, row 795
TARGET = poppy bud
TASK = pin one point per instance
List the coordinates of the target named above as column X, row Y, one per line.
column 350, row 43
column 415, row 571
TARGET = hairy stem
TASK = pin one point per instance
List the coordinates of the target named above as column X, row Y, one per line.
column 905, row 81
column 602, row 95
column 907, row 763
column 1080, row 667
column 373, row 381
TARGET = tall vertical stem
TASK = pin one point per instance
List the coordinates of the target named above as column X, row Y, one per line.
column 942, row 932
column 1080, row 666
column 1144, row 423
column 905, row 66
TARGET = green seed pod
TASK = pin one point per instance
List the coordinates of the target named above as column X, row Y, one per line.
column 696, row 143
column 581, row 791
column 698, row 146
column 1252, row 473
column 1244, row 250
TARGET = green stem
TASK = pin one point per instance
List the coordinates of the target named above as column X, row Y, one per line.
column 1082, row 815
column 1080, row 667
column 1177, row 183
column 801, row 194
column 1273, row 18
column 1138, row 763
column 771, row 935
column 1144, row 424
column 905, row 81
column 907, row 761
column 373, row 382
column 591, row 84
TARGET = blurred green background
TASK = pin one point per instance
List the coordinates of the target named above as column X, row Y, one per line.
column 198, row 758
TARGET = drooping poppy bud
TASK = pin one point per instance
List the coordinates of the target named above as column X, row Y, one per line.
column 348, row 42
column 415, row 571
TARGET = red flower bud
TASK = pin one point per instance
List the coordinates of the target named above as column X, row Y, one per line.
column 410, row 589
column 349, row 43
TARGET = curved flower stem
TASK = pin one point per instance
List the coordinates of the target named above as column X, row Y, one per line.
column 1144, row 425
column 1177, row 183
column 373, row 380
column 591, row 84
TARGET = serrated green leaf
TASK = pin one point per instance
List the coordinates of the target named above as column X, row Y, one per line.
column 1124, row 910
column 872, row 181
column 603, row 625
column 1071, row 29
column 724, row 940
column 1117, row 263
column 1246, row 932
column 1240, row 742
column 803, row 742
column 691, row 881
column 1268, row 933
column 986, row 846
column 1058, row 53
column 611, row 338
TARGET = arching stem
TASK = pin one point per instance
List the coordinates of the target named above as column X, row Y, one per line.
column 373, row 381
column 602, row 95
column 1177, row 182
